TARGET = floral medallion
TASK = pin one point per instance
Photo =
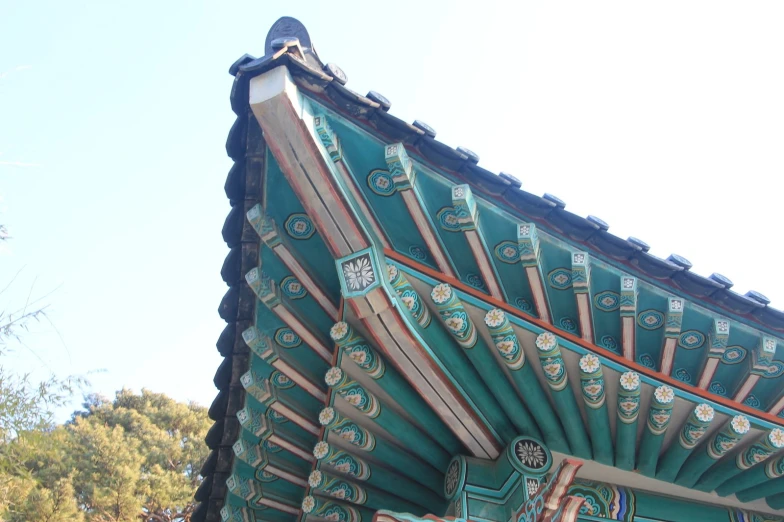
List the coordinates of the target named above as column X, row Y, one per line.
column 293, row 288
column 299, row 226
column 691, row 339
column 650, row 319
column 560, row 278
column 358, row 273
column 607, row 301
column 507, row 252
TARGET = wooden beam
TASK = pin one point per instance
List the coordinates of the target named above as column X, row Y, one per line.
column 713, row 450
column 528, row 243
column 592, row 386
column 287, row 123
column 692, row 431
column 718, row 345
column 403, row 173
column 268, row 231
column 659, row 415
column 672, row 332
column 629, row 317
column 626, row 427
column 581, row 282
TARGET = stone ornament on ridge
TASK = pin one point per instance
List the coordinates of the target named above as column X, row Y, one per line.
column 630, row 381
column 546, row 341
column 338, row 331
column 494, row 318
column 704, row 412
column 589, row 363
column 441, row 293
column 333, row 376
column 740, row 424
column 664, row 394
column 320, row 450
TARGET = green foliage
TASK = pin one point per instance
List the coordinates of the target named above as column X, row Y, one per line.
column 133, row 458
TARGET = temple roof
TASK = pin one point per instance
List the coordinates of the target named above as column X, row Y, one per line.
column 479, row 277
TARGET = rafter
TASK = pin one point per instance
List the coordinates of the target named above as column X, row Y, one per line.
column 268, row 292
column 773, row 468
column 290, row 405
column 581, row 283
column 257, row 425
column 261, row 460
column 253, row 493
column 626, row 427
column 672, row 332
column 403, row 173
column 659, row 415
column 268, row 231
column 762, row 356
column 719, row 336
column 628, row 317
column 528, row 243
column 690, row 434
column 592, row 386
column 713, row 450
column 555, row 373
column 318, row 508
column 329, row 485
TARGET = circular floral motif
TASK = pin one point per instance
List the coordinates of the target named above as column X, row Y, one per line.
column 448, row 219
column 391, row 272
column 326, row 416
column 293, row 288
column 609, row 342
column 281, row 380
column 308, row 504
column 752, row 401
column 691, row 339
column 776, row 438
column 381, row 182
column 607, row 301
column 315, row 478
column 682, row 375
column 589, row 363
column 532, row 486
column 475, row 281
column 630, row 381
column 650, row 319
column 507, row 252
column 664, row 394
column 568, row 324
column 646, row 360
column 704, row 412
column 523, row 304
column 494, row 318
column 287, row 338
column 334, row 375
column 359, row 273
column 441, row 293
column 320, row 450
column 299, row 226
column 338, row 330
column 531, row 454
column 452, row 478
column 734, row 355
column 775, row 369
column 560, row 278
column 718, row 388
column 740, row 424
column 417, row 253
column 546, row 341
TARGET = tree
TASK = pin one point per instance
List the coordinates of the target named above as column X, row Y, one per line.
column 134, row 458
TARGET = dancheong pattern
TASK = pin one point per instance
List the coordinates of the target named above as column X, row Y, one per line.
column 341, row 461
column 507, row 252
column 691, row 339
column 560, row 278
column 299, row 226
column 604, row 501
column 607, row 301
column 650, row 319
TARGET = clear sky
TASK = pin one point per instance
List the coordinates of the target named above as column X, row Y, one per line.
column 665, row 119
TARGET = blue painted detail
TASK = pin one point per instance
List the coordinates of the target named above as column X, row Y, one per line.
column 609, row 342
column 568, row 324
column 447, row 218
column 523, row 305
column 287, row 338
column 475, row 281
column 775, row 369
column 380, row 182
column 682, row 375
column 299, row 226
column 781, row 414
column 718, row 388
column 417, row 253
column 560, row 278
column 507, row 252
column 691, row 339
column 650, row 319
column 646, row 360
column 734, row 355
column 752, row 401
column 293, row 288
column 607, row 301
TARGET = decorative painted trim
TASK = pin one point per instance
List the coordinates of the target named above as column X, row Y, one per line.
column 409, row 296
column 592, row 381
column 353, row 392
column 696, row 426
column 329, row 510
column 672, row 330
column 333, row 486
column 552, row 361
column 660, row 411
column 628, row 314
column 347, row 429
column 299, row 226
column 528, row 245
column 454, row 315
column 629, row 397
column 328, row 138
column 358, row 349
column 358, row 273
column 342, row 461
column 505, row 339
column 581, row 282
